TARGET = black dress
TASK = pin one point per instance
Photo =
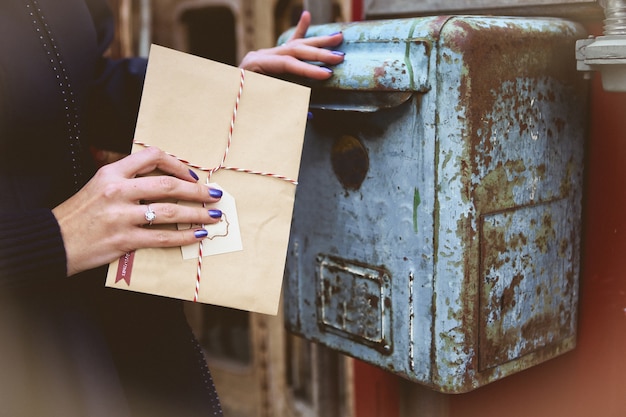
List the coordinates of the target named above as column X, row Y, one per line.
column 70, row 346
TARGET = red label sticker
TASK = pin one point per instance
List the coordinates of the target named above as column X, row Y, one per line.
column 125, row 267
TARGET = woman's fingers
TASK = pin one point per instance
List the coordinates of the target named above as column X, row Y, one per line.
column 149, row 160
column 292, row 60
column 327, row 41
column 105, row 218
column 303, row 69
column 161, row 187
column 311, row 53
column 303, row 25
column 169, row 213
column 119, row 179
column 318, row 41
column 165, row 238
column 283, row 59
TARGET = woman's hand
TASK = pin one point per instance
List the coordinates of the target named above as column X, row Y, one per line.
column 289, row 58
column 105, row 219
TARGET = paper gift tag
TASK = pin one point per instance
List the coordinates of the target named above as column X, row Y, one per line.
column 223, row 237
column 186, row 110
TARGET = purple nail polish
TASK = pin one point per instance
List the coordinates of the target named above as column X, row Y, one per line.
column 194, row 175
column 335, row 33
column 309, row 116
column 201, row 234
column 327, row 69
column 216, row 214
column 339, row 53
column 215, row 193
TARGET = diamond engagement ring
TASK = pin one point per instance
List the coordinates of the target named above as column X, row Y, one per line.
column 150, row 215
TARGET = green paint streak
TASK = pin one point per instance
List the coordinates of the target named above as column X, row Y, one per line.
column 416, row 202
column 407, row 56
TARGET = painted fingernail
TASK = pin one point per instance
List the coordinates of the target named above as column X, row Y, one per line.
column 216, row 214
column 194, row 175
column 327, row 69
column 215, row 193
column 201, row 234
column 335, row 33
column 339, row 53
column 309, row 116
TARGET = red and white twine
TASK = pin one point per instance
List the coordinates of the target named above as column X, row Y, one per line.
column 199, row 270
column 212, row 171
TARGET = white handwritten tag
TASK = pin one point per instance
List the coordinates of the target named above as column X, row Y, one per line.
column 224, row 236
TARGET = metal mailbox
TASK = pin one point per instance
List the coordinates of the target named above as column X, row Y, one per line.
column 437, row 223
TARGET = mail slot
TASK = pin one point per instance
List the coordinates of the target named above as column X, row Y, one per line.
column 437, row 223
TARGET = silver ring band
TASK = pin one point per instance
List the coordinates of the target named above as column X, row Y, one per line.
column 150, row 215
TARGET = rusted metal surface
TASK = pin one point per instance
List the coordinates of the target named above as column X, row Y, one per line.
column 437, row 235
column 354, row 302
column 579, row 9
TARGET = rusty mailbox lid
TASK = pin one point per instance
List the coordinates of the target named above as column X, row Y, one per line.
column 389, row 60
column 437, row 221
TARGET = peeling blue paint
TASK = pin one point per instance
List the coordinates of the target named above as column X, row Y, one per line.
column 456, row 261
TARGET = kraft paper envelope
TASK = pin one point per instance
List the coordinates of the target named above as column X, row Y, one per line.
column 186, row 110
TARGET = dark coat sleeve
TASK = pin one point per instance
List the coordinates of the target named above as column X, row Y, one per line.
column 31, row 245
column 31, row 250
column 114, row 99
column 113, row 104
